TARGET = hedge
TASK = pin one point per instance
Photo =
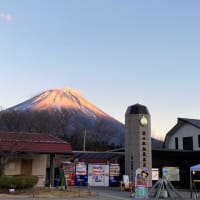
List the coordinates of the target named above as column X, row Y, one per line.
column 18, row 182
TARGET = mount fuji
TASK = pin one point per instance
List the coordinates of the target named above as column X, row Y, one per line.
column 74, row 113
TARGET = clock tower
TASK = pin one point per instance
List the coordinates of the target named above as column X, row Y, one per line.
column 138, row 141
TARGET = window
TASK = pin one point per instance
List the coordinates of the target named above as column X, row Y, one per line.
column 176, row 143
column 199, row 140
column 187, row 143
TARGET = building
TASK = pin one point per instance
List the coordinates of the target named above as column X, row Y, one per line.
column 138, row 153
column 185, row 135
column 31, row 154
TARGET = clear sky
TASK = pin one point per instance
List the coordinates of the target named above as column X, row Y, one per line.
column 116, row 52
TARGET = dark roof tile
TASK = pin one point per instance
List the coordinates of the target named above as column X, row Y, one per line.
column 33, row 142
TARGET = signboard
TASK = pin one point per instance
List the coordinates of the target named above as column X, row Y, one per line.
column 155, row 174
column 126, row 181
column 171, row 173
column 141, row 183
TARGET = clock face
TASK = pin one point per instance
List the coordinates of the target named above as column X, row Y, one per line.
column 143, row 121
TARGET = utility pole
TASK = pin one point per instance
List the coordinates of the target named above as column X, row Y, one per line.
column 84, row 137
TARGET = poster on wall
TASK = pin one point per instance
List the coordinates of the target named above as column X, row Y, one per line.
column 141, row 183
column 171, row 173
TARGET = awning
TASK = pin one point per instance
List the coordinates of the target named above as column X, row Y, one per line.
column 193, row 168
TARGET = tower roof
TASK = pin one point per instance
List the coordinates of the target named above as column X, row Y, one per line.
column 137, row 109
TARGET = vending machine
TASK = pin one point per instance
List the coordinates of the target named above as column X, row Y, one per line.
column 114, row 174
column 81, row 176
column 98, row 175
column 69, row 172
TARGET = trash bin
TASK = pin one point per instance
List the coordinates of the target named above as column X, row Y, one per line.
column 57, row 181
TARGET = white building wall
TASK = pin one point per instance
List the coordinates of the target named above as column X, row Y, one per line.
column 185, row 131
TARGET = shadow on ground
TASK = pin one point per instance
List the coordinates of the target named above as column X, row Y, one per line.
column 49, row 193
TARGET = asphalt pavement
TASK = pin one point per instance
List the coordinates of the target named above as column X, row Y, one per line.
column 108, row 193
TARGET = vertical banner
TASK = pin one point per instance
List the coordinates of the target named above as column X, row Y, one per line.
column 141, row 183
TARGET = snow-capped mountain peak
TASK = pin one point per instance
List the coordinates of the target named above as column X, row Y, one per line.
column 58, row 99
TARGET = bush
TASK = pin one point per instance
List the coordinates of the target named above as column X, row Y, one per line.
column 18, row 182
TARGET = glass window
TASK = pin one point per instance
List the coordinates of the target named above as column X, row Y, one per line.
column 187, row 143
column 176, row 143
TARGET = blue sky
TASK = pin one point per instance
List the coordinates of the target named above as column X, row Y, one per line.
column 116, row 52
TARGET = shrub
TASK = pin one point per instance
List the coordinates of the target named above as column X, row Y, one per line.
column 18, row 182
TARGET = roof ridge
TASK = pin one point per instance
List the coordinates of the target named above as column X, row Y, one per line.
column 191, row 121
